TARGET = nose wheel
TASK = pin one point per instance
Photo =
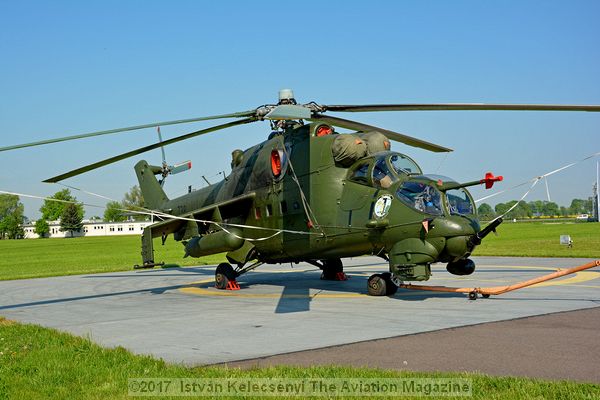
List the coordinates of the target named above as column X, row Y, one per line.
column 381, row 285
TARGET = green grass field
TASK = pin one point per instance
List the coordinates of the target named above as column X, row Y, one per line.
column 36, row 362
column 541, row 239
column 51, row 257
column 33, row 258
column 41, row 363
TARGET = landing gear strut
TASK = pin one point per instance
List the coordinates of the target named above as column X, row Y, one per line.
column 381, row 285
column 333, row 270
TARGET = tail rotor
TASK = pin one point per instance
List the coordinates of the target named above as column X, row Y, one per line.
column 166, row 169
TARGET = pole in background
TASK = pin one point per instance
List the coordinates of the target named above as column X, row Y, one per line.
column 597, row 208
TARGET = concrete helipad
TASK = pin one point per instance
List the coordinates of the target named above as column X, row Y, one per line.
column 177, row 315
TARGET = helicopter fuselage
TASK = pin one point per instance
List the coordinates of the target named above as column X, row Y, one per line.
column 298, row 204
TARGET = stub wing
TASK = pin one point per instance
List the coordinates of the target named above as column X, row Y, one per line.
column 194, row 223
column 200, row 220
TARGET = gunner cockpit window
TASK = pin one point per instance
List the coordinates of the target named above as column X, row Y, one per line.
column 420, row 196
column 459, row 202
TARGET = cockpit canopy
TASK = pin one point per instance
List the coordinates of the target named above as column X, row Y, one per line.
column 418, row 191
column 382, row 169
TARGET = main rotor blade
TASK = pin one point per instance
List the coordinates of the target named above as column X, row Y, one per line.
column 144, row 149
column 129, row 128
column 461, row 107
column 398, row 137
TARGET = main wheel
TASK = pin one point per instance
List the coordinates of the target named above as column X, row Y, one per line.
column 223, row 274
column 376, row 285
column 332, row 269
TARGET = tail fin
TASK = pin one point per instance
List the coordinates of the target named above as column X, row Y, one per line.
column 154, row 195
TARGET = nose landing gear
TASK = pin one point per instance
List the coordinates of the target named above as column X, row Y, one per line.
column 381, row 285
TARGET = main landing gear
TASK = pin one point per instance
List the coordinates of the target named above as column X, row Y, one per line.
column 333, row 270
column 226, row 275
column 381, row 285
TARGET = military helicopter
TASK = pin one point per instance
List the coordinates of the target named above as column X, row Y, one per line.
column 311, row 194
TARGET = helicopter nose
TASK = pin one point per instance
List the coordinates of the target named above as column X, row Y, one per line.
column 457, row 226
column 458, row 246
column 458, row 232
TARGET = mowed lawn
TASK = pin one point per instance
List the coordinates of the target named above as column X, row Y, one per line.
column 32, row 258
column 41, row 363
column 542, row 239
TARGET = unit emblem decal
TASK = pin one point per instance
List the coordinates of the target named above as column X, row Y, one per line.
column 382, row 206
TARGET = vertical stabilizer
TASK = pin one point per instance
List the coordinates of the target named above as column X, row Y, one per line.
column 154, row 195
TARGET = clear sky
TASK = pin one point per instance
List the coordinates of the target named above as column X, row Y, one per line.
column 69, row 67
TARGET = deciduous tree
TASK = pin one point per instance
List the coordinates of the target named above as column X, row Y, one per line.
column 113, row 212
column 134, row 200
column 485, row 211
column 11, row 217
column 42, row 228
column 52, row 210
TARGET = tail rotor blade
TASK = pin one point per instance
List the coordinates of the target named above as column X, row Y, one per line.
column 162, row 148
column 181, row 167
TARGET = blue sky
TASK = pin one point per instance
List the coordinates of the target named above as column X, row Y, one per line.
column 69, row 67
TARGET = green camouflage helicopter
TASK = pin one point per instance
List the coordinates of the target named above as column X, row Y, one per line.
column 311, row 194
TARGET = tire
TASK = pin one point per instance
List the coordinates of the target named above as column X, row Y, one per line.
column 223, row 274
column 376, row 285
column 390, row 286
column 331, row 268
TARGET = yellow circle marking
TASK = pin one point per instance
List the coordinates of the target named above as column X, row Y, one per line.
column 211, row 291
column 579, row 277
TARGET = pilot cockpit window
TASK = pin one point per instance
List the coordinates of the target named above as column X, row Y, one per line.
column 459, row 202
column 404, row 165
column 382, row 176
column 420, row 196
column 360, row 174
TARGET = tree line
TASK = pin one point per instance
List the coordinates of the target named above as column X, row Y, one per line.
column 62, row 206
column 537, row 208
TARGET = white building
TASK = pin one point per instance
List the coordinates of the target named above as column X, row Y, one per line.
column 90, row 228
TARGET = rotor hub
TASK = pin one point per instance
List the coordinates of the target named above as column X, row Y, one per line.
column 286, row 96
